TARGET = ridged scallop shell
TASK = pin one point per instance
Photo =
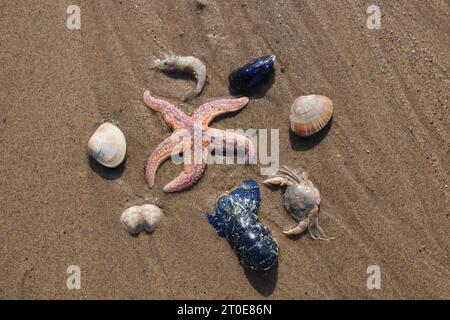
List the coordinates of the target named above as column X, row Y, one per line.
column 138, row 218
column 309, row 114
column 108, row 145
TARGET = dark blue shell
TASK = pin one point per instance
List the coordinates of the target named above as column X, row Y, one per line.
column 236, row 218
column 252, row 74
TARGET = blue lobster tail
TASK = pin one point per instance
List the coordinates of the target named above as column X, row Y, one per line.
column 262, row 255
column 236, row 219
column 248, row 194
column 217, row 223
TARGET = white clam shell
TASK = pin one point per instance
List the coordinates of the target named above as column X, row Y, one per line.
column 108, row 145
column 138, row 218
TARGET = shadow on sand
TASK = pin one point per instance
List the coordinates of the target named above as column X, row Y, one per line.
column 257, row 92
column 263, row 282
column 305, row 143
column 107, row 173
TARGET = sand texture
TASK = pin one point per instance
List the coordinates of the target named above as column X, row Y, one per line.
column 382, row 166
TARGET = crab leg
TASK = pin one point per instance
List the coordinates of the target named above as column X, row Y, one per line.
column 322, row 235
column 313, row 235
column 313, row 219
column 291, row 171
column 291, row 174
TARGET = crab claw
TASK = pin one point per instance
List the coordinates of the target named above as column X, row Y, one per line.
column 277, row 181
column 297, row 230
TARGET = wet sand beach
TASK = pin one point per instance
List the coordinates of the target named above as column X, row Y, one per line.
column 382, row 166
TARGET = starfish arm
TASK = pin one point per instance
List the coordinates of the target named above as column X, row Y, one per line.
column 225, row 139
column 171, row 145
column 174, row 117
column 210, row 110
column 187, row 178
column 192, row 170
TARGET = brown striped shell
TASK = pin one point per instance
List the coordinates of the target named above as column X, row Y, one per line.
column 309, row 114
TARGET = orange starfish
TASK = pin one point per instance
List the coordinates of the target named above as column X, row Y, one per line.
column 192, row 137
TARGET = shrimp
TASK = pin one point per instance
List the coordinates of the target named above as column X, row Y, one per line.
column 185, row 64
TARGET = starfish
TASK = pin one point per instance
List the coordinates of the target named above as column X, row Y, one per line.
column 193, row 137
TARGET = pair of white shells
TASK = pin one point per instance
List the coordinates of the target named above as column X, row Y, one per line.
column 138, row 218
column 108, row 145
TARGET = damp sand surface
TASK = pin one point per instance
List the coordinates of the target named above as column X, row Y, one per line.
column 382, row 166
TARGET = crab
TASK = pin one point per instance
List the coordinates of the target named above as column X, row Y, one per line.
column 301, row 200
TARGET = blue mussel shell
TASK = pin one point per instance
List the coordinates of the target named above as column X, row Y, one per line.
column 252, row 74
column 236, row 218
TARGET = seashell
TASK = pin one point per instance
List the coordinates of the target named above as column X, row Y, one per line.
column 309, row 114
column 107, row 145
column 252, row 74
column 138, row 218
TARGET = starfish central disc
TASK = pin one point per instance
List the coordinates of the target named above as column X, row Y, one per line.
column 193, row 137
